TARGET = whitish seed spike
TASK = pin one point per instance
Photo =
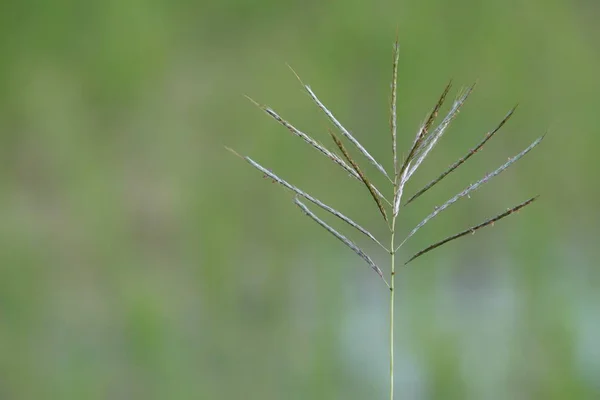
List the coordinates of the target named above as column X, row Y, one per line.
column 340, row 127
column 342, row 238
column 421, row 134
column 471, row 188
column 313, row 143
column 345, row 132
column 430, row 141
column 313, row 200
column 458, row 163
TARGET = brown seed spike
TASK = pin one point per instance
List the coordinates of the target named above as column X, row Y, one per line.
column 340, row 145
column 436, row 109
column 432, row 138
column 423, row 131
column 473, row 229
column 472, row 187
column 312, row 142
column 458, row 163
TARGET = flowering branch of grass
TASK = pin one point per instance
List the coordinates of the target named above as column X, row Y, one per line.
column 393, row 105
column 472, row 229
column 342, row 238
column 403, row 174
column 471, row 188
column 308, row 197
column 312, row 142
column 341, row 128
column 363, row 177
column 424, row 129
column 463, row 159
column 429, row 142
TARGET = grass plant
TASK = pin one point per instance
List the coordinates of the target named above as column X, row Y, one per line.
column 425, row 140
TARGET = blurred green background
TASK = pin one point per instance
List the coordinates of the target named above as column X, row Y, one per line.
column 140, row 260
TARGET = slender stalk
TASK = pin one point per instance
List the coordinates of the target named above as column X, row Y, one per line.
column 392, row 278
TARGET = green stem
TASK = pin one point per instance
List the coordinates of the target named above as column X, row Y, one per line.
column 393, row 273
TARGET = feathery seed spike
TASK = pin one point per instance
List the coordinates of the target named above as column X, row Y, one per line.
column 313, row 200
column 471, row 188
column 337, row 124
column 343, row 130
column 340, row 145
column 402, row 174
column 430, row 141
column 424, row 128
column 393, row 102
column 473, row 229
column 312, row 142
column 458, row 163
column 342, row 238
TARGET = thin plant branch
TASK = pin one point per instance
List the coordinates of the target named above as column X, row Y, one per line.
column 430, row 141
column 473, row 229
column 310, row 198
column 343, row 239
column 312, row 142
column 458, row 163
column 363, row 177
column 471, row 188
column 393, row 101
column 423, row 130
column 341, row 128
column 403, row 175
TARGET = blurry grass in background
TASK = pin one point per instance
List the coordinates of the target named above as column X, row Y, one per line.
column 129, row 267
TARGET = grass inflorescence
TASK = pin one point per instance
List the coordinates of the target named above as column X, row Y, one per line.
column 425, row 140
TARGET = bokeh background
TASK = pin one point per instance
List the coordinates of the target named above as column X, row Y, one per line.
column 140, row 260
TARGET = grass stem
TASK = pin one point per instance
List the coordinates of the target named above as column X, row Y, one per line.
column 392, row 279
